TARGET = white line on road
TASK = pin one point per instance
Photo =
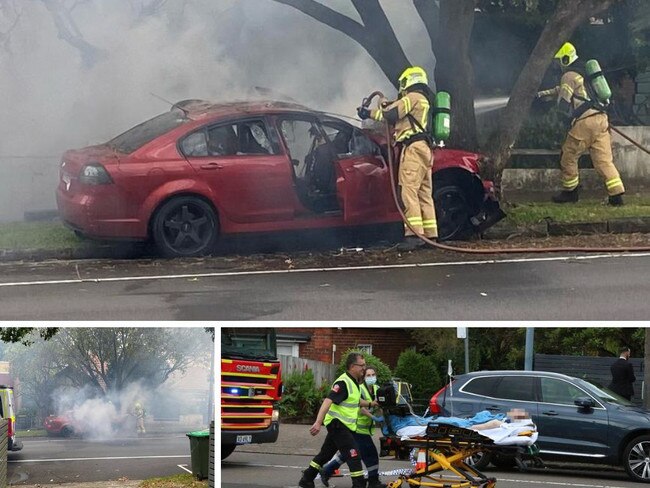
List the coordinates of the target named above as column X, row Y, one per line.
column 538, row 482
column 184, row 468
column 320, row 270
column 108, row 458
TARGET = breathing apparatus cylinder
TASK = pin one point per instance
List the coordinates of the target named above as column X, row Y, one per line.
column 442, row 116
column 598, row 82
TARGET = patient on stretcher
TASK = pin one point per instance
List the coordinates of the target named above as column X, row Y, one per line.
column 513, row 428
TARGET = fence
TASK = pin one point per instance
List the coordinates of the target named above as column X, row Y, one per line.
column 595, row 369
column 323, row 372
column 212, row 454
column 4, row 444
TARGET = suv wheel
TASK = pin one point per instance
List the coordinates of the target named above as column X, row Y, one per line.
column 479, row 460
column 636, row 459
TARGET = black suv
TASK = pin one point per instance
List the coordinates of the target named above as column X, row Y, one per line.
column 576, row 420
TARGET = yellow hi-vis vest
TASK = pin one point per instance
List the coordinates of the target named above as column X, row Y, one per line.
column 348, row 410
column 364, row 424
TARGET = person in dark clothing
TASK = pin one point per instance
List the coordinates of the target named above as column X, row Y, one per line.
column 339, row 413
column 623, row 375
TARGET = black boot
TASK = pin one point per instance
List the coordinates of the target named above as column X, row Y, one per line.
column 410, row 243
column 567, row 196
column 358, row 482
column 375, row 483
column 616, row 200
column 307, row 480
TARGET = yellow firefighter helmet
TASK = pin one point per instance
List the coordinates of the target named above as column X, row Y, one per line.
column 412, row 76
column 567, row 54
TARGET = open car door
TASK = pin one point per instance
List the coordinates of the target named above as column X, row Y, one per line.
column 361, row 187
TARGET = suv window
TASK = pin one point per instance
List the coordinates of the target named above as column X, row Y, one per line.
column 516, row 388
column 559, row 391
column 139, row 135
column 482, row 386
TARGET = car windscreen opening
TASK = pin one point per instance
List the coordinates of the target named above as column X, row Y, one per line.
column 145, row 132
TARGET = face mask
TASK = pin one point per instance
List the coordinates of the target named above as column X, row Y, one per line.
column 371, row 380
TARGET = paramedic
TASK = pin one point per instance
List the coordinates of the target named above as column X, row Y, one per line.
column 363, row 436
column 339, row 413
column 623, row 375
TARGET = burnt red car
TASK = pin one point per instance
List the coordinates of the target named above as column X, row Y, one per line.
column 63, row 425
column 203, row 170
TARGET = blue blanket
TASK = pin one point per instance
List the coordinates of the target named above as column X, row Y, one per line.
column 480, row 418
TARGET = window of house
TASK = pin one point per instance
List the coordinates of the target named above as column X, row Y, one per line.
column 365, row 348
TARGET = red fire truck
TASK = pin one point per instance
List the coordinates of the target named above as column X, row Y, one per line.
column 251, row 387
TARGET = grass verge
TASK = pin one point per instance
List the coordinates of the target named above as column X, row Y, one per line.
column 31, row 433
column 37, row 235
column 582, row 211
column 176, row 481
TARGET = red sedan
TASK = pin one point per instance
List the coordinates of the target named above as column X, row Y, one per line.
column 203, row 170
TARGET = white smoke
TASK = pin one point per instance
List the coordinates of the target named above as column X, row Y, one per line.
column 101, row 418
column 216, row 50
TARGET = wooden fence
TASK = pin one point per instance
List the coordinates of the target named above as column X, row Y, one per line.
column 323, row 372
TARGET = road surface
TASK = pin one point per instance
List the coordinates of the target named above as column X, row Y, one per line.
column 600, row 287
column 62, row 460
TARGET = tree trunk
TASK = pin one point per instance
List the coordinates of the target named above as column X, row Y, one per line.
column 454, row 72
column 568, row 15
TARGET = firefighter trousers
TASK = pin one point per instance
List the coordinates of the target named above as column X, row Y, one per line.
column 590, row 132
column 369, row 456
column 339, row 438
column 416, row 189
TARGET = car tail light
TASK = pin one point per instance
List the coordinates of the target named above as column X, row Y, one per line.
column 95, row 174
column 434, row 407
column 10, row 427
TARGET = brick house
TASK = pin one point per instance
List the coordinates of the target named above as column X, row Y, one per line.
column 328, row 344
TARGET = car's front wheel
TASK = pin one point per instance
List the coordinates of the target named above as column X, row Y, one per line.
column 185, row 227
column 452, row 211
column 227, row 450
column 636, row 459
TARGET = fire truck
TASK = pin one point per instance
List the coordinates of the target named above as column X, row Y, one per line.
column 251, row 387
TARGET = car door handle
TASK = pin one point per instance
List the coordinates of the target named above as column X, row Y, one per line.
column 212, row 166
column 493, row 408
column 550, row 412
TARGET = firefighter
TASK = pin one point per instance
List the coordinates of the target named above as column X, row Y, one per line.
column 362, row 436
column 589, row 131
column 139, row 412
column 409, row 114
column 339, row 413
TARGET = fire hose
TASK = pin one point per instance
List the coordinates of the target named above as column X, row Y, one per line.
column 366, row 103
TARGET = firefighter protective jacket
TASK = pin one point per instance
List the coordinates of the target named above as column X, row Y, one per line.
column 395, row 113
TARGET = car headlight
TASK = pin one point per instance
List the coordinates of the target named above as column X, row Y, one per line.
column 275, row 416
column 95, row 174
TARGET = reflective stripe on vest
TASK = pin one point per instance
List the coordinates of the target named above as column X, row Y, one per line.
column 364, row 424
column 348, row 410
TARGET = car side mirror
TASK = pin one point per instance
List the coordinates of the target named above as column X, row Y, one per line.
column 584, row 402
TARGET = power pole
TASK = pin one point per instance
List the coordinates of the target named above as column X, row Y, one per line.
column 530, row 339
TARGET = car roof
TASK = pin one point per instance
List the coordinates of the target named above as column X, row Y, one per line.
column 199, row 109
column 515, row 373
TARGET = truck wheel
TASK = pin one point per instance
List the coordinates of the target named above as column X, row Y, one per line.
column 227, row 450
column 636, row 458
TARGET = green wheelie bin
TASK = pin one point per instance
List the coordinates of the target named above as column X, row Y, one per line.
column 200, row 453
